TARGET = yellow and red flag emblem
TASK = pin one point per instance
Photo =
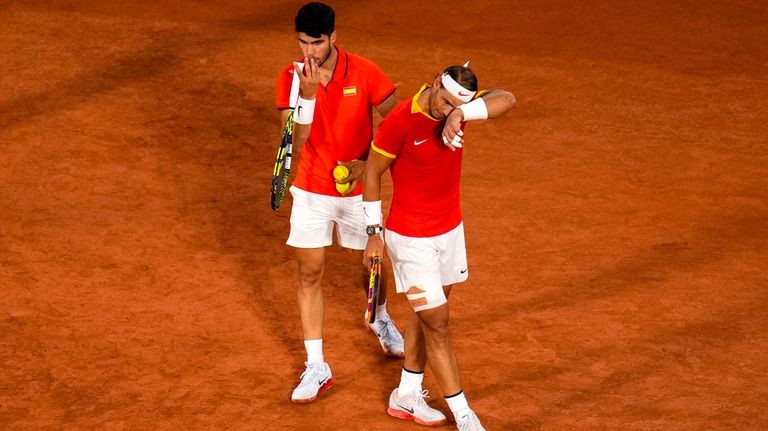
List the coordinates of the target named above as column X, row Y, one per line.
column 350, row 91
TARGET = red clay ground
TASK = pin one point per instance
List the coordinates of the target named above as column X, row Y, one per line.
column 617, row 220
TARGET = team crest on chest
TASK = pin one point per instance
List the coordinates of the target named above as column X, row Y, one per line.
column 350, row 91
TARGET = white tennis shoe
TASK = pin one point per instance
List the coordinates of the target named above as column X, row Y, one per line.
column 412, row 407
column 315, row 379
column 389, row 337
column 470, row 422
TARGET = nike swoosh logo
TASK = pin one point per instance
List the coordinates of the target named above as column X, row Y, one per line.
column 322, row 381
column 404, row 408
column 298, row 111
column 419, row 142
column 464, row 270
column 461, row 93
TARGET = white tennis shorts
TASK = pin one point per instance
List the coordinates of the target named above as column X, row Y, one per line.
column 422, row 266
column 313, row 216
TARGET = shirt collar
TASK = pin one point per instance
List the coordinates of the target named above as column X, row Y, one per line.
column 416, row 108
column 341, row 69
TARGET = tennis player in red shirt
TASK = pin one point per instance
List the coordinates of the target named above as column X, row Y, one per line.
column 333, row 125
column 421, row 143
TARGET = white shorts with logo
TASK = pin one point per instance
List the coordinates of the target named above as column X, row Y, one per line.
column 313, row 216
column 422, row 266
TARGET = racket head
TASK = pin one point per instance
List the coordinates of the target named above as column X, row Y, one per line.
column 282, row 166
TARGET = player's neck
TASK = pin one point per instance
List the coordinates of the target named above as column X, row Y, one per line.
column 330, row 63
column 423, row 100
column 326, row 70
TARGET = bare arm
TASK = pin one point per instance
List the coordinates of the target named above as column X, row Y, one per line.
column 497, row 102
column 375, row 167
column 384, row 107
column 309, row 78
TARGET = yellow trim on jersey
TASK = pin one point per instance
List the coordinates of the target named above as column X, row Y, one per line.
column 415, row 108
column 382, row 152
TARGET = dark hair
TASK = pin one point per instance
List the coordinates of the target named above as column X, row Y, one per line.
column 315, row 19
column 464, row 76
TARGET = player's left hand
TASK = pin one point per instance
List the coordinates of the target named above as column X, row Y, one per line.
column 356, row 170
column 453, row 136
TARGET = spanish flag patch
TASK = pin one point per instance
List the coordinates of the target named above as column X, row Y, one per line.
column 350, row 91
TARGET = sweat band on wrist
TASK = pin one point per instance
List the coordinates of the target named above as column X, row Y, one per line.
column 475, row 110
column 372, row 213
column 305, row 111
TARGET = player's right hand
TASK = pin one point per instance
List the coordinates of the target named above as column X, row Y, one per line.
column 309, row 78
column 375, row 247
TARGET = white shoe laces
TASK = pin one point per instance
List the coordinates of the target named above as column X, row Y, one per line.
column 311, row 368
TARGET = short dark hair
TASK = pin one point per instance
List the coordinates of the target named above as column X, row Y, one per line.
column 463, row 76
column 315, row 19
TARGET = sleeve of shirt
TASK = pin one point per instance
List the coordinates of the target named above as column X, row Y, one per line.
column 389, row 138
column 283, row 88
column 379, row 86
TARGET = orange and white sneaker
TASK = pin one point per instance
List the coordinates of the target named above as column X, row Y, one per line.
column 315, row 379
column 470, row 422
column 391, row 340
column 412, row 407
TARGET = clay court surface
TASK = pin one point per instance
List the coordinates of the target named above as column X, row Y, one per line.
column 616, row 220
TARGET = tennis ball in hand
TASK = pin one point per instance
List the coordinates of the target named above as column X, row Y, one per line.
column 340, row 172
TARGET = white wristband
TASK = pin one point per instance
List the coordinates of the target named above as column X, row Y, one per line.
column 372, row 213
column 475, row 110
column 305, row 111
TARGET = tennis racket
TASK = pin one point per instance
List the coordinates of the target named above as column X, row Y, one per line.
column 374, row 287
column 282, row 164
column 283, row 159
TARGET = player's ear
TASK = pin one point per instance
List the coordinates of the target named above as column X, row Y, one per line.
column 333, row 37
column 437, row 82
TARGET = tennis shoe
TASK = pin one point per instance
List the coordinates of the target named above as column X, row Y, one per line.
column 470, row 422
column 315, row 379
column 389, row 337
column 413, row 407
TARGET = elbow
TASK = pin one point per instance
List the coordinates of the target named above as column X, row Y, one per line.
column 510, row 100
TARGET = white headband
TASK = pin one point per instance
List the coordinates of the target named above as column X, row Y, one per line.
column 455, row 89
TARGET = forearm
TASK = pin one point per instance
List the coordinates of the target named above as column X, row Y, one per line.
column 498, row 102
column 300, row 136
column 371, row 184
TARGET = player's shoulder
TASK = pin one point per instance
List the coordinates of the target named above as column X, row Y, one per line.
column 287, row 71
column 360, row 61
column 398, row 117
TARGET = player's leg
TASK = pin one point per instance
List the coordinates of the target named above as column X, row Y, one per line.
column 310, row 292
column 350, row 232
column 407, row 401
column 311, row 230
column 453, row 269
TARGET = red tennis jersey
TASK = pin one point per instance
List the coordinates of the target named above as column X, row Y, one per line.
column 342, row 127
column 425, row 173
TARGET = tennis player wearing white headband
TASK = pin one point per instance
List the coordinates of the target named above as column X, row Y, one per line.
column 421, row 143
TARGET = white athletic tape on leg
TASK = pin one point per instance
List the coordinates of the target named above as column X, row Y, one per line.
column 424, row 300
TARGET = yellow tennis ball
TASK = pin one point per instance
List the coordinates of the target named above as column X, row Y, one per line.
column 343, row 188
column 340, row 172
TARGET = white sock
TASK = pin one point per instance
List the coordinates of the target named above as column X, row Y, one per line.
column 381, row 311
column 409, row 382
column 314, row 350
column 458, row 405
